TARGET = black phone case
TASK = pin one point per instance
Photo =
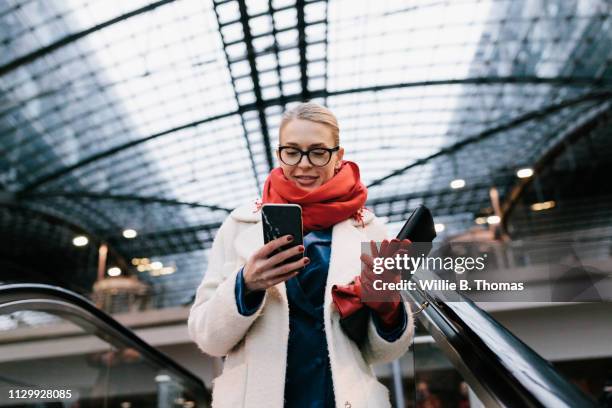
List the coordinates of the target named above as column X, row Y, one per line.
column 419, row 227
column 279, row 220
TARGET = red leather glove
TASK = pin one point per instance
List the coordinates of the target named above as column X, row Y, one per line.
column 348, row 298
column 386, row 303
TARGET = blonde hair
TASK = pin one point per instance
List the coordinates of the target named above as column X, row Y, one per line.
column 315, row 113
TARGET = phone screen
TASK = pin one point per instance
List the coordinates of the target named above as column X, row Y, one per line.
column 283, row 219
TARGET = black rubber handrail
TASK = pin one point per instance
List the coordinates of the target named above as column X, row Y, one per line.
column 501, row 369
column 106, row 326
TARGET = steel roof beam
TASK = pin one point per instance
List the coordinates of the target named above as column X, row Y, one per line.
column 62, row 42
column 276, row 49
column 259, row 102
column 426, row 194
column 265, row 13
column 123, row 197
column 233, row 81
column 276, row 101
column 548, row 158
column 533, row 115
column 182, row 231
column 61, row 222
column 301, row 27
column 326, row 72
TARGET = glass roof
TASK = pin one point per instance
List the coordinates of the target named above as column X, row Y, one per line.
column 162, row 116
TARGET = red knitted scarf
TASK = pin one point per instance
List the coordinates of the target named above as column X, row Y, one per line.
column 341, row 197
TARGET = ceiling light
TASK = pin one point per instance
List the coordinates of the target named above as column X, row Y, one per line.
column 545, row 205
column 524, row 173
column 493, row 219
column 166, row 270
column 457, row 183
column 80, row 241
column 481, row 220
column 114, row 271
column 439, row 227
column 129, row 233
column 156, row 265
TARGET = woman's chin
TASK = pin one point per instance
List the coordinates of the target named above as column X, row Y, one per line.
column 307, row 186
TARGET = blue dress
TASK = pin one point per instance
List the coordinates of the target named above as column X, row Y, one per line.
column 308, row 382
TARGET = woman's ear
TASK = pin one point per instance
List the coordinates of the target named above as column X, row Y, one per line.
column 340, row 155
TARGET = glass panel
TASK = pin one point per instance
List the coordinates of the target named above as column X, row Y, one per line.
column 425, row 378
column 48, row 360
column 436, row 383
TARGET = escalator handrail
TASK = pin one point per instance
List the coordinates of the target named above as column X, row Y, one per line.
column 102, row 321
column 502, row 370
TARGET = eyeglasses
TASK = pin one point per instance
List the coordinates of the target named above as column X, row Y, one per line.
column 318, row 156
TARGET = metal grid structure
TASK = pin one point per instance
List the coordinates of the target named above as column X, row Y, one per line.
column 162, row 116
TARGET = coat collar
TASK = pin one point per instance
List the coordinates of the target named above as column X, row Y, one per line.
column 347, row 237
column 250, row 213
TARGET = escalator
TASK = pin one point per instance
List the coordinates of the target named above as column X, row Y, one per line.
column 496, row 368
column 90, row 361
column 103, row 364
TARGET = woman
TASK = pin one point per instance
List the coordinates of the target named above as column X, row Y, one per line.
column 277, row 325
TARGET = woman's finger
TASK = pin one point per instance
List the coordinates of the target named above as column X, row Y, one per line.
column 281, row 278
column 367, row 259
column 267, row 250
column 283, row 255
column 394, row 245
column 373, row 248
column 284, row 269
column 384, row 248
column 402, row 252
column 390, row 248
column 405, row 244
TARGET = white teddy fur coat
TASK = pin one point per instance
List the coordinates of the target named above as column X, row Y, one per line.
column 256, row 345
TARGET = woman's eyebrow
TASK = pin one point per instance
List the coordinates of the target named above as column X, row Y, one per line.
column 311, row 145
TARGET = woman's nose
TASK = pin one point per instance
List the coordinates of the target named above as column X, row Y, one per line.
column 304, row 162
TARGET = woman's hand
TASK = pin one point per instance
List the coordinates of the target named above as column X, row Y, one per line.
column 385, row 302
column 261, row 272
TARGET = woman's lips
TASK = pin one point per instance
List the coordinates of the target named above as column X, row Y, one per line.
column 306, row 180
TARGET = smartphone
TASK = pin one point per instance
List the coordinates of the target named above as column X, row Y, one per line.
column 283, row 219
column 421, row 230
column 419, row 227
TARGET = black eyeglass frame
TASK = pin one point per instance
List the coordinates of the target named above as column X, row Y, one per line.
column 306, row 153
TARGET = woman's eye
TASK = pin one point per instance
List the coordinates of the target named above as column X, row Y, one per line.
column 318, row 153
column 291, row 153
